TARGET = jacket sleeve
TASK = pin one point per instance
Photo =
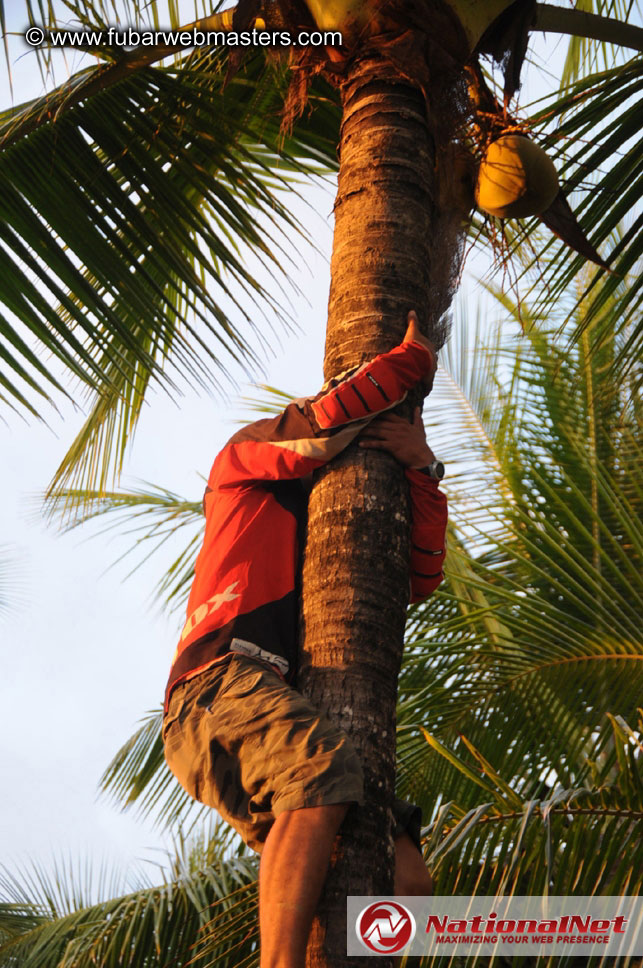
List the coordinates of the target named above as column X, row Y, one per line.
column 428, row 534
column 310, row 432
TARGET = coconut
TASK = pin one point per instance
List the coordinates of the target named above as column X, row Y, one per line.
column 516, row 178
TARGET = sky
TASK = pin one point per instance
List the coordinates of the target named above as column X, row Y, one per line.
column 86, row 651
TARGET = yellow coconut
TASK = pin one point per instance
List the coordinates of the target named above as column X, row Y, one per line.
column 516, row 179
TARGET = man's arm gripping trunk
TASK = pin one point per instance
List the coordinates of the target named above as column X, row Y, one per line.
column 309, row 433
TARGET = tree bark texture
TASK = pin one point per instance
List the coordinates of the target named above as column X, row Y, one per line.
column 355, row 576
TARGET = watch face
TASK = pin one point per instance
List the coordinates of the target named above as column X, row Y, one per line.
column 437, row 469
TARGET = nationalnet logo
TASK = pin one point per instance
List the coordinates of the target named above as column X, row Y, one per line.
column 385, row 927
column 583, row 926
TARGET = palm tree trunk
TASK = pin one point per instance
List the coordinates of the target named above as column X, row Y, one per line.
column 355, row 577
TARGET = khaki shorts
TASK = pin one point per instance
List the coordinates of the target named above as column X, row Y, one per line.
column 240, row 739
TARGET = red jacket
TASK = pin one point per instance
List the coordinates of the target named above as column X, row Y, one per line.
column 244, row 593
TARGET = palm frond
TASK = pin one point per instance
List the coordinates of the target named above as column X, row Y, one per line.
column 154, row 515
column 581, row 840
column 209, row 903
column 270, row 402
column 468, row 385
column 135, row 213
column 586, row 56
column 91, row 15
column 138, row 775
column 594, row 129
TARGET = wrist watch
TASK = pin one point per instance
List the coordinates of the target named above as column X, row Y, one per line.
column 435, row 470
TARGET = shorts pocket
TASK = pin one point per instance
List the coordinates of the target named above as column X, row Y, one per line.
column 242, row 678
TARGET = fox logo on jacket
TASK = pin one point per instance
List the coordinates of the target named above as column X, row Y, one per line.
column 208, row 607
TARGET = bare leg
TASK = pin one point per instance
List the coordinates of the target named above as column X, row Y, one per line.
column 294, row 863
column 411, row 876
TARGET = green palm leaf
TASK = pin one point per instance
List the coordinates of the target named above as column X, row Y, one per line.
column 579, row 841
column 594, row 131
column 138, row 775
column 154, row 193
column 159, row 519
column 205, row 909
column 585, row 56
column 154, row 515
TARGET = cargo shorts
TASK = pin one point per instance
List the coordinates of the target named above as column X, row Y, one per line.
column 238, row 738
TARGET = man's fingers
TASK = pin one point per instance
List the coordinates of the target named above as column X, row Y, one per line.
column 381, row 435
column 390, row 420
column 379, row 444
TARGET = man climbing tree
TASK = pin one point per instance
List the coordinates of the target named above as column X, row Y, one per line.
column 237, row 734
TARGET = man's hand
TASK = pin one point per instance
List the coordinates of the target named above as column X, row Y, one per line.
column 406, row 442
column 414, row 335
